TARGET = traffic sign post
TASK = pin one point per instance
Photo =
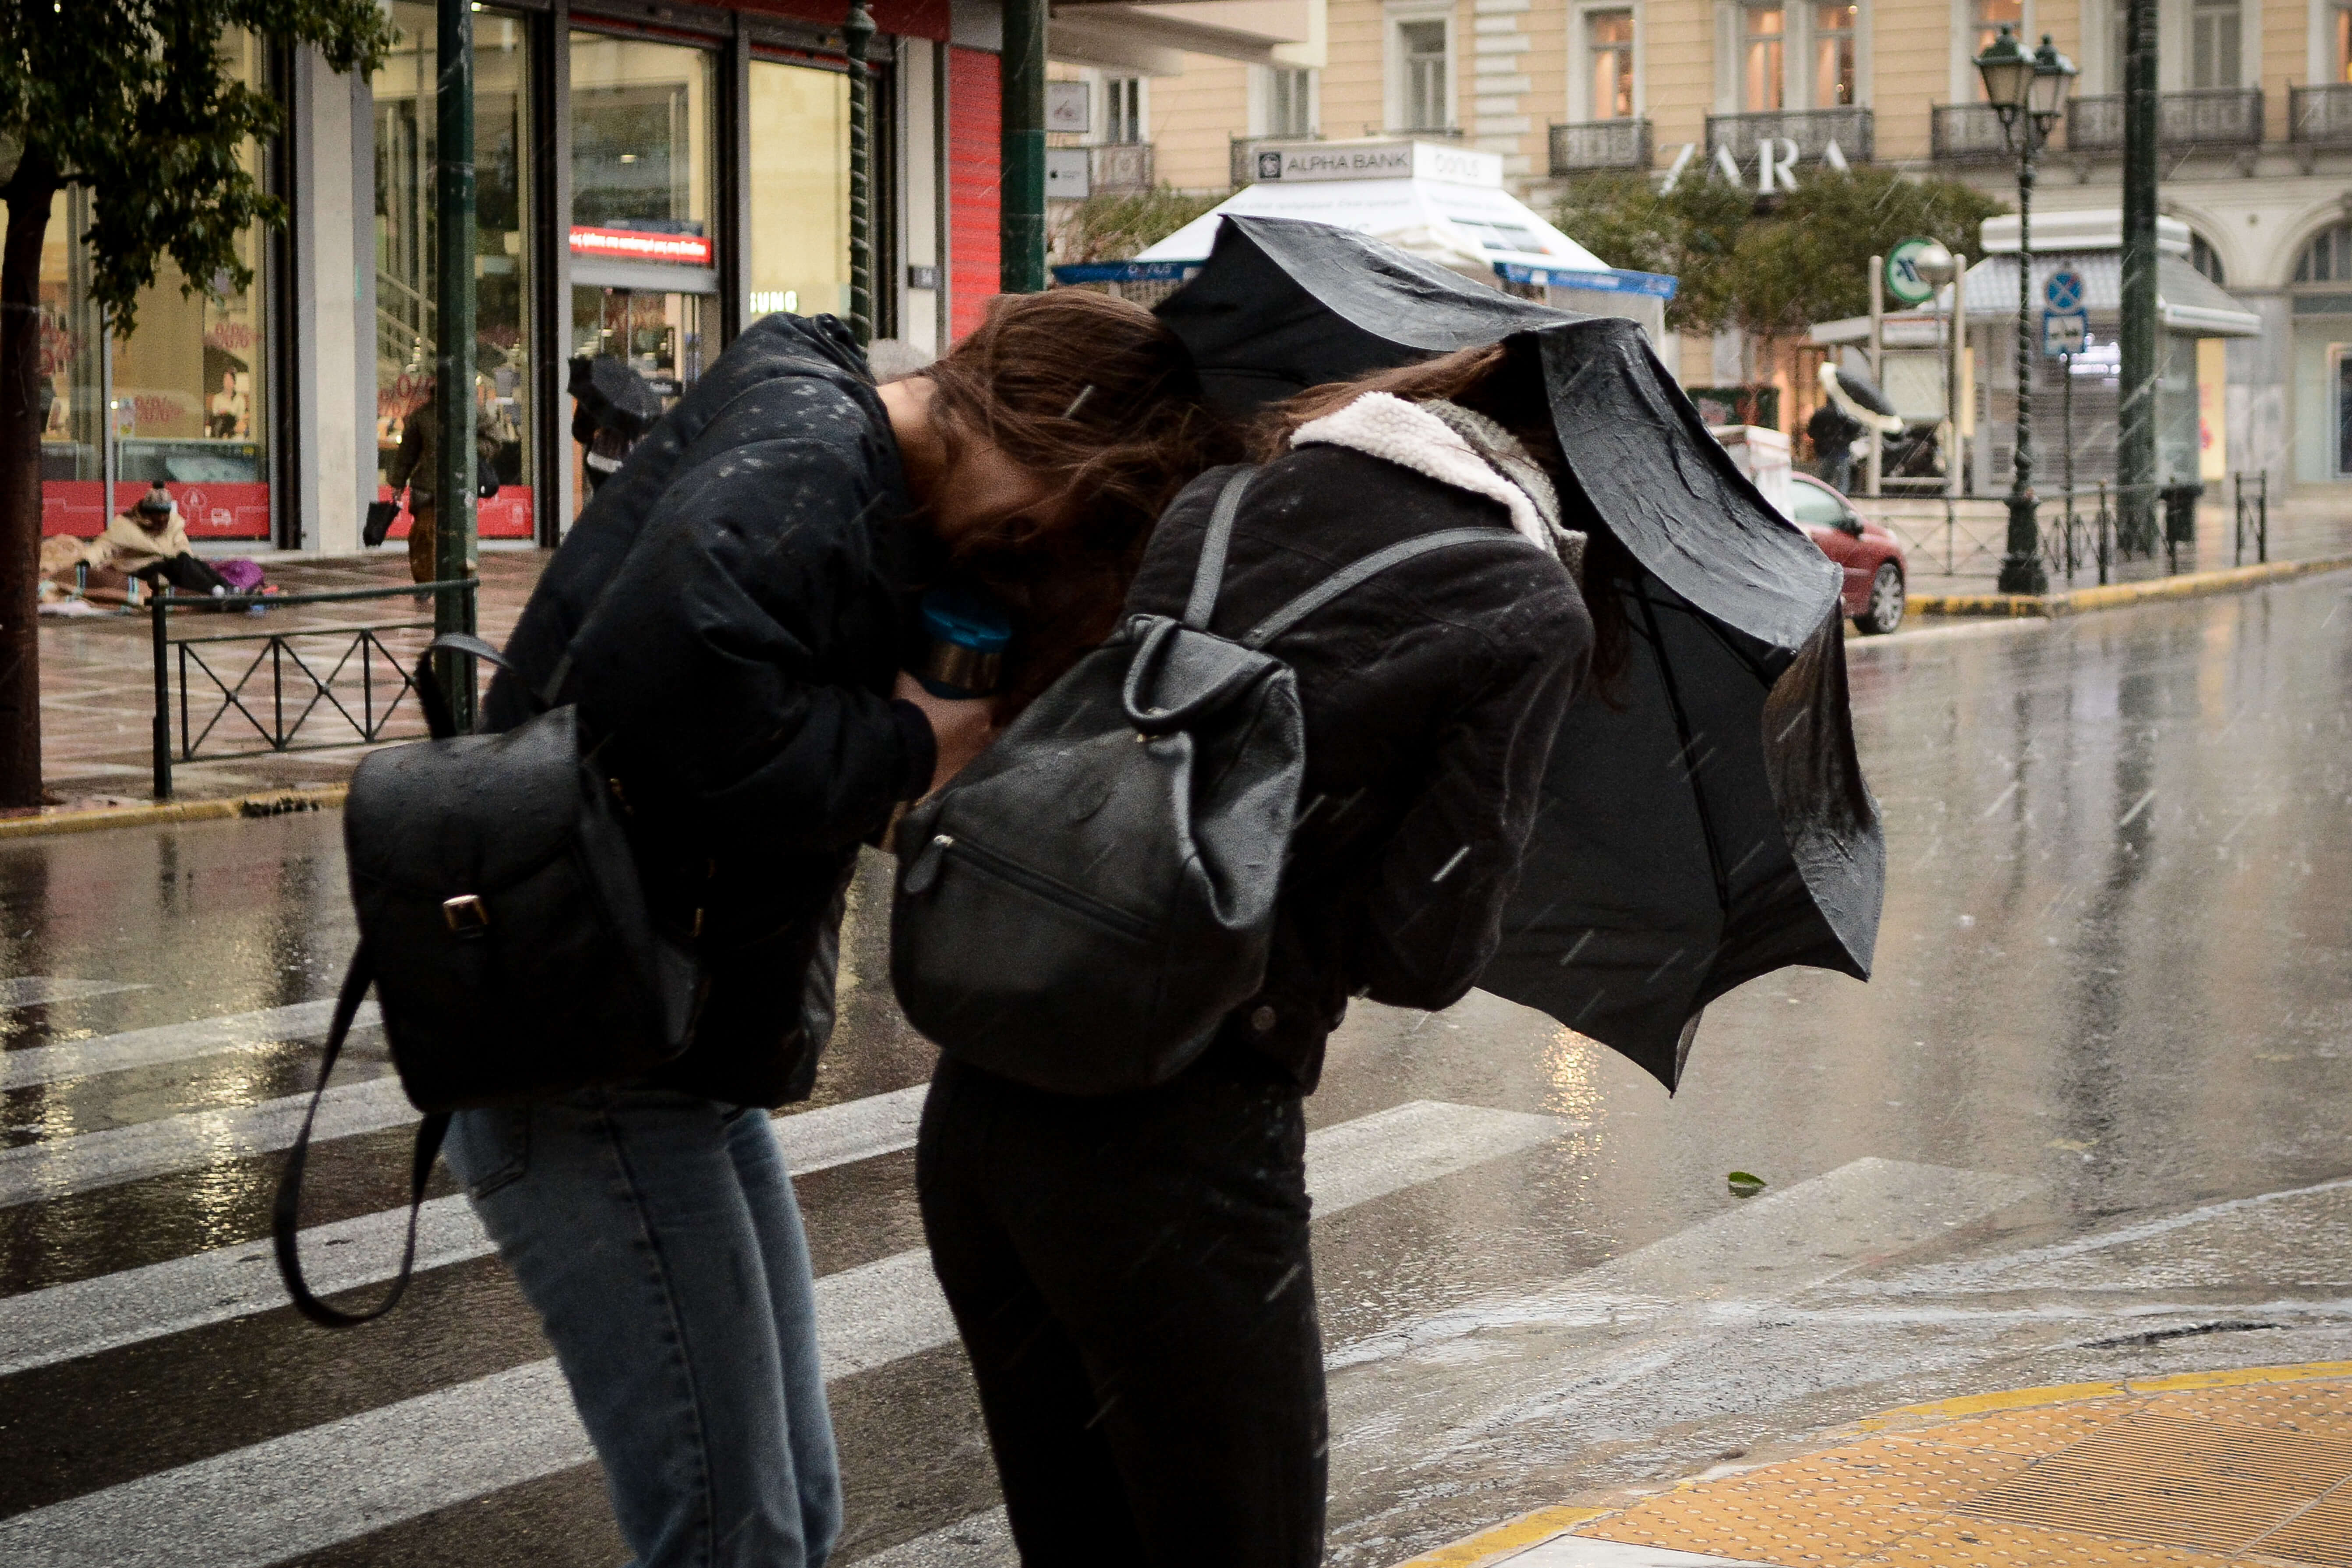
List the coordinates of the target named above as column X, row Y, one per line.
column 2064, row 332
column 2063, row 292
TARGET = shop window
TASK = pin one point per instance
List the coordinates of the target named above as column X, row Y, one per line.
column 1609, row 54
column 1762, row 59
column 186, row 399
column 2205, row 259
column 2341, row 26
column 800, row 189
column 1833, row 54
column 2327, row 259
column 1289, row 102
column 1987, row 18
column 408, row 247
column 2214, row 35
column 643, row 242
column 1426, row 72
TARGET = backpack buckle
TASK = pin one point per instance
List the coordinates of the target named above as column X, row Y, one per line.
column 466, row 915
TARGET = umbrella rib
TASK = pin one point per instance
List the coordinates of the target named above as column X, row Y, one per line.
column 1682, row 729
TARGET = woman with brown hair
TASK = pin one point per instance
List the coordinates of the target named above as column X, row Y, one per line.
column 1131, row 1272
column 731, row 615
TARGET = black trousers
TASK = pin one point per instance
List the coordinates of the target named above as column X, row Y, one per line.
column 188, row 574
column 1132, row 1281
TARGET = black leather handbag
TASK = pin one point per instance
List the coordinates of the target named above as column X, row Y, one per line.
column 505, row 930
column 1082, row 906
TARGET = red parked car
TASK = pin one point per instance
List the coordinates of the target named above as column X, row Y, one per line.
column 1870, row 556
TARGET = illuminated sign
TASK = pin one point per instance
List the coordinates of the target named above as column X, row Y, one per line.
column 638, row 245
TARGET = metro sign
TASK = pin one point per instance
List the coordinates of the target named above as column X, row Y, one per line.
column 637, row 245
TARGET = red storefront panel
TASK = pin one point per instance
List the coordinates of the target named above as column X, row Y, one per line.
column 506, row 515
column 975, row 161
column 212, row 510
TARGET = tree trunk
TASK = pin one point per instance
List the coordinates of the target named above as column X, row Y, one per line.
column 28, row 196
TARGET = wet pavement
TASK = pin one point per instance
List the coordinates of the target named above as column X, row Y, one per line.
column 2088, row 1123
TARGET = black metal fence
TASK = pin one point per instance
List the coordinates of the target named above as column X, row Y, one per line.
column 292, row 686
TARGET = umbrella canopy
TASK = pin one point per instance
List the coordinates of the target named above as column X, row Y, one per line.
column 614, row 394
column 1705, row 820
column 1862, row 399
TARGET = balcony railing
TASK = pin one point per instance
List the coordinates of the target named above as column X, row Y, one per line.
column 2320, row 116
column 2209, row 116
column 1601, row 144
column 1119, row 166
column 1813, row 130
column 1967, row 133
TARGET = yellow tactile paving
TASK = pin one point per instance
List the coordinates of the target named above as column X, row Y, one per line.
column 2251, row 1466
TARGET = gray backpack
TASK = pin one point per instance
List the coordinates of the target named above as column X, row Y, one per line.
column 1082, row 906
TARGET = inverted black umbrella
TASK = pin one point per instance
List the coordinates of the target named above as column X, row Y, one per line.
column 1705, row 820
column 614, row 394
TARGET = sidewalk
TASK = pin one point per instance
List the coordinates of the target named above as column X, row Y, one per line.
column 97, row 683
column 2248, row 1467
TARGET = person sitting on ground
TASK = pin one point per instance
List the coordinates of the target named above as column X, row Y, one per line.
column 150, row 543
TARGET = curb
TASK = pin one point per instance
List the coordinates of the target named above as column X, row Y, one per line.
column 89, row 819
column 2114, row 595
column 1500, row 1543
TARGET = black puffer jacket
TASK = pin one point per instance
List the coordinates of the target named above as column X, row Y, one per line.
column 1430, row 695
column 736, row 603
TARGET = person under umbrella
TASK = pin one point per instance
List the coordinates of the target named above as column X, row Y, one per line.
column 1853, row 410
column 612, row 408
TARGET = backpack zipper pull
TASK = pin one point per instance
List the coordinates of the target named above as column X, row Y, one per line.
column 926, row 869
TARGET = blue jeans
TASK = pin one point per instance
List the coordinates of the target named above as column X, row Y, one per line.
column 657, row 1235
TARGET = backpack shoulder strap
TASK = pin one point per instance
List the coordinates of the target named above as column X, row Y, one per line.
column 1371, row 566
column 285, row 1214
column 1209, row 575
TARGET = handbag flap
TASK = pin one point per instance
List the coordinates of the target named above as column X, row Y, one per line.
column 469, row 814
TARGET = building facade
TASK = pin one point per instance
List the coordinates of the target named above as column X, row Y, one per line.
column 651, row 177
column 2256, row 124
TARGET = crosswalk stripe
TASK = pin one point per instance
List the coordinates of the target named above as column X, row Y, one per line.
column 33, row 990
column 171, row 1043
column 89, row 1161
column 40, row 1328
column 312, row 1489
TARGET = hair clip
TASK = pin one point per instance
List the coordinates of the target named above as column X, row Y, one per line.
column 1079, row 401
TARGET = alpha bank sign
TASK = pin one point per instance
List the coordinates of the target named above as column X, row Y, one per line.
column 1288, row 161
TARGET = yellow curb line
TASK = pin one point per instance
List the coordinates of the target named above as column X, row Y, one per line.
column 2114, row 594
column 275, row 802
column 1512, row 1535
column 1493, row 1544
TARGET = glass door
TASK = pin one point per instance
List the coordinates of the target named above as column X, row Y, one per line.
column 667, row 337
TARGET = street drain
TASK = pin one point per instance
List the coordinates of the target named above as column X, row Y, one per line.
column 2213, row 1486
column 2158, row 1336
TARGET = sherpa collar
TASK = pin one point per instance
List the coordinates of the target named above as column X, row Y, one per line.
column 1382, row 425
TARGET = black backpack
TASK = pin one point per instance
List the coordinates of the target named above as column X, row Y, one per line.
column 1083, row 905
column 505, row 930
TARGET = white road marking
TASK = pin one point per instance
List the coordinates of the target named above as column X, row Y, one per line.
column 41, row 1327
column 173, row 1043
column 1583, row 1552
column 33, row 990
column 312, row 1489
column 88, row 1161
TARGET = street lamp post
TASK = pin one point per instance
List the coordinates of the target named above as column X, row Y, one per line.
column 2028, row 92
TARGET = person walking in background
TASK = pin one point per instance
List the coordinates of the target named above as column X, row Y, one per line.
column 731, row 616
column 1131, row 1272
column 415, row 463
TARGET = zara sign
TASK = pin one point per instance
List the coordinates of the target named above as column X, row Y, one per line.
column 1776, row 165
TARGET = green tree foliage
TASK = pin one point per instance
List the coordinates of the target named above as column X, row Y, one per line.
column 130, row 99
column 1768, row 268
column 1113, row 227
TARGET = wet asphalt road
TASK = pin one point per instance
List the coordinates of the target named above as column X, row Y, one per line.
column 2096, row 1095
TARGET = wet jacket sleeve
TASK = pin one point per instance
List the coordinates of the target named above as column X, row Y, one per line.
column 1430, row 910
column 715, row 661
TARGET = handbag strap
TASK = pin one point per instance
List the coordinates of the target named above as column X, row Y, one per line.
column 1209, row 576
column 285, row 1214
column 436, row 701
column 1358, row 572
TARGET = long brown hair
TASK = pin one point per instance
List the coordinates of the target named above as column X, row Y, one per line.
column 1095, row 393
column 1504, row 382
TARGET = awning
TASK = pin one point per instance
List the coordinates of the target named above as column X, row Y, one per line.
column 2187, row 301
